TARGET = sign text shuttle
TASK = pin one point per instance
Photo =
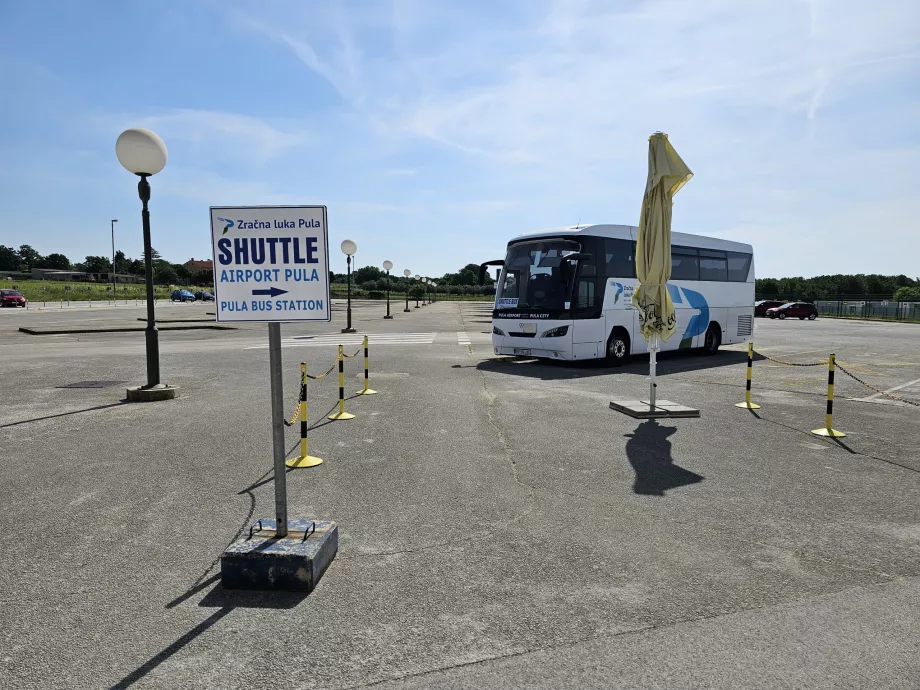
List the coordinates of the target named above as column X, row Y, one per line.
column 271, row 263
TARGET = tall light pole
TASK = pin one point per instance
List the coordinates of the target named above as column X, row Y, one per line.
column 407, row 273
column 416, row 294
column 388, row 265
column 114, row 281
column 348, row 249
column 143, row 153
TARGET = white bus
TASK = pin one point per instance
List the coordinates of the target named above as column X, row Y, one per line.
column 566, row 294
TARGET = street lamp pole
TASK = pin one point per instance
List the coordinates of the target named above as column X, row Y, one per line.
column 388, row 265
column 407, row 273
column 151, row 333
column 349, row 248
column 114, row 279
column 143, row 153
column 416, row 294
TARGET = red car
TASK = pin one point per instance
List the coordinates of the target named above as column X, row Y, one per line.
column 12, row 298
column 803, row 310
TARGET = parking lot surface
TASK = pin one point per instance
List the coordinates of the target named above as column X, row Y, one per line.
column 500, row 526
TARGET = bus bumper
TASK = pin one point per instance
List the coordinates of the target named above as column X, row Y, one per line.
column 547, row 348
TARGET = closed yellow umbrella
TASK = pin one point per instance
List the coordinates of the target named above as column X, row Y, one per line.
column 667, row 173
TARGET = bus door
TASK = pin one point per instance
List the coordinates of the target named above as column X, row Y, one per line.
column 588, row 324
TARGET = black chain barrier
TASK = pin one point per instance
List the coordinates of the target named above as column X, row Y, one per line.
column 877, row 390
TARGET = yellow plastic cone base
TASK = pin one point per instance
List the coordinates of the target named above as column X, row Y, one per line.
column 342, row 415
column 366, row 392
column 824, row 431
column 308, row 461
column 748, row 406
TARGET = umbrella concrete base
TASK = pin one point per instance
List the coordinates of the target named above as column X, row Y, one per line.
column 295, row 563
column 640, row 409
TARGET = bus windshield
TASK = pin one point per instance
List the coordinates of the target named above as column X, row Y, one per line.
column 537, row 276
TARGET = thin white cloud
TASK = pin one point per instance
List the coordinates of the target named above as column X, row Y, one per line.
column 255, row 139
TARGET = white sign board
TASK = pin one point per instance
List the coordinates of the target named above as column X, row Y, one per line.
column 271, row 263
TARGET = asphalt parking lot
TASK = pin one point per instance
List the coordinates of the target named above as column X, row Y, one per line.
column 500, row 526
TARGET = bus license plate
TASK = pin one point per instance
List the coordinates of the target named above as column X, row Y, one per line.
column 521, row 351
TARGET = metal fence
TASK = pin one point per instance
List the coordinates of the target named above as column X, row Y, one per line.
column 869, row 309
column 858, row 306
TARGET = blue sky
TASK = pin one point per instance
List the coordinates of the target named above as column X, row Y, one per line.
column 436, row 130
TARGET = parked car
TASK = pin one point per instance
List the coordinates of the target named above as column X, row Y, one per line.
column 204, row 296
column 12, row 298
column 803, row 310
column 761, row 306
column 181, row 296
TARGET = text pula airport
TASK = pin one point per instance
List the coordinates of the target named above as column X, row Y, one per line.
column 249, row 251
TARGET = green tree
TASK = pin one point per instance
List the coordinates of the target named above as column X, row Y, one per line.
column 366, row 273
column 166, row 276
column 204, row 278
column 29, row 258
column 55, row 261
column 97, row 264
column 907, row 294
column 184, row 274
column 122, row 262
column 9, row 258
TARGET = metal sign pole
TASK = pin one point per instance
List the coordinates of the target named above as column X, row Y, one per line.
column 274, row 365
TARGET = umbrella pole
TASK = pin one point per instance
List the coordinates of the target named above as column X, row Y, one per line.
column 653, row 345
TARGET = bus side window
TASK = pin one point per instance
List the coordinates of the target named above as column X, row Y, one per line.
column 620, row 258
column 685, row 263
column 739, row 265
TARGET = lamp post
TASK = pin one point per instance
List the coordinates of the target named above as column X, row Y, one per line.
column 416, row 294
column 114, row 280
column 427, row 291
column 407, row 273
column 388, row 265
column 143, row 153
column 349, row 248
column 434, row 292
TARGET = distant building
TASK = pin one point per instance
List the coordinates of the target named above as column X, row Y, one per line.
column 83, row 276
column 197, row 265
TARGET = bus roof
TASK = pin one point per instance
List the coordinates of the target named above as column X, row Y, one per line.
column 626, row 232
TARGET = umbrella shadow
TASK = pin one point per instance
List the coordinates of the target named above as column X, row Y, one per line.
column 649, row 452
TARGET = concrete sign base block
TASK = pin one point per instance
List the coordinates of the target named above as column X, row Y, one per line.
column 640, row 409
column 159, row 392
column 257, row 560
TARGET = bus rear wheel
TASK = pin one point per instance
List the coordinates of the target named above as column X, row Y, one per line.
column 712, row 340
column 618, row 348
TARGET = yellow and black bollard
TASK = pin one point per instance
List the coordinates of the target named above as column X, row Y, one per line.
column 829, row 429
column 341, row 414
column 367, row 378
column 305, row 459
column 747, row 404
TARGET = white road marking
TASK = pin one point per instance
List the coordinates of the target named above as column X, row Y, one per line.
column 877, row 397
column 353, row 339
column 463, row 338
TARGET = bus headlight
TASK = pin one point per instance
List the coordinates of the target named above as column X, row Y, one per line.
column 497, row 331
column 556, row 332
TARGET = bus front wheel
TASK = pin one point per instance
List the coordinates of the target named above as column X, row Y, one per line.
column 618, row 348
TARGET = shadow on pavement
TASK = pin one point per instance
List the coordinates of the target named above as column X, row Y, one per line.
column 552, row 370
column 649, row 452
column 65, row 414
column 171, row 649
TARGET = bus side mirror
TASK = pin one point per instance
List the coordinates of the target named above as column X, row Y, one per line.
column 483, row 267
